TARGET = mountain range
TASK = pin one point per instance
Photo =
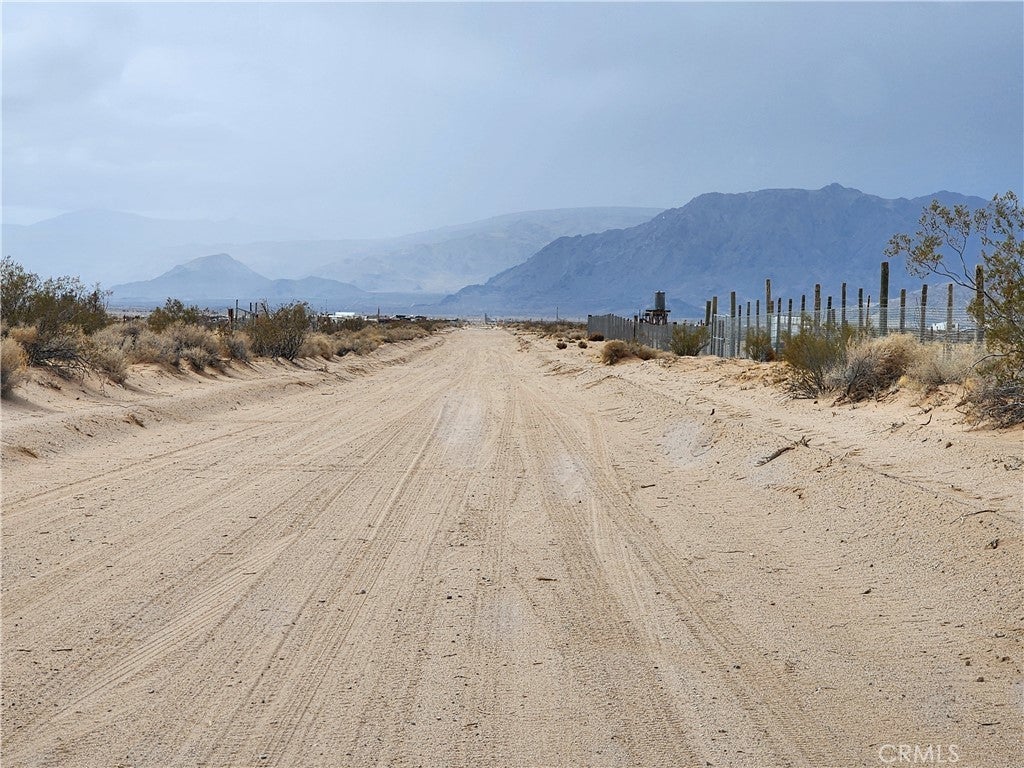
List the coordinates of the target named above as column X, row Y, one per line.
column 714, row 244
column 113, row 247
column 217, row 280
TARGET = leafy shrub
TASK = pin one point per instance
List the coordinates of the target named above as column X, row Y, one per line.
column 173, row 311
column 280, row 333
column 13, row 365
column 689, row 340
column 561, row 345
column 814, row 360
column 759, row 345
column 582, row 345
column 53, row 306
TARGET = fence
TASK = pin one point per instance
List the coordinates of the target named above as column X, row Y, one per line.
column 945, row 320
column 615, row 327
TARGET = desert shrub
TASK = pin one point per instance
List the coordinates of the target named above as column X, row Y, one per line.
column 759, row 345
column 613, row 351
column 553, row 328
column 814, row 361
column 281, row 332
column 616, row 350
column 998, row 399
column 582, row 345
column 318, row 345
column 872, row 366
column 193, row 338
column 689, row 340
column 936, row 364
column 13, row 365
column 595, row 337
column 54, row 306
column 236, row 345
column 173, row 311
column 62, row 351
column 561, row 345
column 107, row 359
column 198, row 357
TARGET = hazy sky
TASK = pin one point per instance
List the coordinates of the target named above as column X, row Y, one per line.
column 363, row 120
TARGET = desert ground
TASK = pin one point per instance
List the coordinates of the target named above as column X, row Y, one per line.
column 479, row 550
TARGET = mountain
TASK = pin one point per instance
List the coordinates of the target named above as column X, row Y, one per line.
column 714, row 244
column 108, row 246
column 112, row 247
column 218, row 280
column 439, row 260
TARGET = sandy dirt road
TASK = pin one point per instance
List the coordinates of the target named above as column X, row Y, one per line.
column 478, row 550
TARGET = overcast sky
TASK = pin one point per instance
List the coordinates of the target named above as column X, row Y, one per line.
column 373, row 120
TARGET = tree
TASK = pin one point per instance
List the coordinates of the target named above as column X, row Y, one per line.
column 941, row 247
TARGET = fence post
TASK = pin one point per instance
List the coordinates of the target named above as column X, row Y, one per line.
column 715, row 345
column 790, row 329
column 768, row 306
column 860, row 310
column 842, row 300
column 924, row 305
column 979, row 300
column 903, row 309
column 778, row 328
column 817, row 306
column 949, row 318
column 734, row 334
column 883, row 301
column 707, row 314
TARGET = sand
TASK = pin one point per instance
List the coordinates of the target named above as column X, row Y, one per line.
column 479, row 550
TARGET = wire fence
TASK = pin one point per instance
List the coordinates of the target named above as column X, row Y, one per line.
column 943, row 318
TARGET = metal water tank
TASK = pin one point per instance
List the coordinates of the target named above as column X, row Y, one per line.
column 659, row 301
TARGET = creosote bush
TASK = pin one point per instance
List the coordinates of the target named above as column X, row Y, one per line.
column 873, row 366
column 689, row 340
column 561, row 345
column 281, row 332
column 813, row 358
column 759, row 345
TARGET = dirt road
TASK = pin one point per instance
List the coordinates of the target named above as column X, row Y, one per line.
column 479, row 550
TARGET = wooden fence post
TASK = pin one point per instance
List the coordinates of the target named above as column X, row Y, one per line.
column 883, row 301
column 734, row 334
column 817, row 306
column 949, row 318
column 860, row 310
column 903, row 309
column 790, row 330
column 842, row 300
column 768, row 306
column 716, row 347
column 979, row 300
column 924, row 305
column 707, row 314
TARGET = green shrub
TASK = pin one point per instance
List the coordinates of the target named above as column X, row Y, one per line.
column 281, row 332
column 814, row 360
column 56, row 306
column 759, row 345
column 689, row 340
column 62, row 351
column 173, row 311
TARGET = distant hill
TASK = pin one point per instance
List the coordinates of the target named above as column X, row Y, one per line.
column 112, row 247
column 714, row 244
column 216, row 281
